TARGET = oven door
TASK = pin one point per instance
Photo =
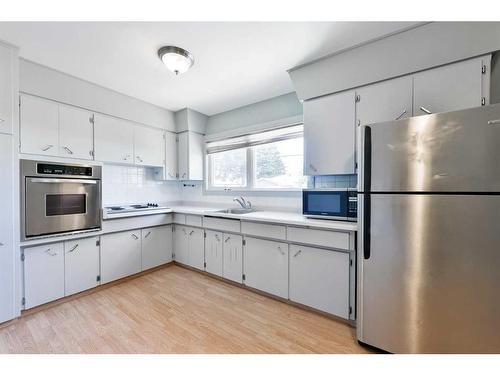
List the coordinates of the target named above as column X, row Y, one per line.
column 326, row 204
column 58, row 205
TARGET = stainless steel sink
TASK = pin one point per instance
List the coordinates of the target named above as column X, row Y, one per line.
column 237, row 211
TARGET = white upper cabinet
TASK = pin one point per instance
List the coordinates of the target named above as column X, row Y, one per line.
column 171, row 171
column 39, row 126
column 6, row 89
column 113, row 140
column 384, row 101
column 452, row 87
column 190, row 155
column 76, row 133
column 329, row 135
column 149, row 146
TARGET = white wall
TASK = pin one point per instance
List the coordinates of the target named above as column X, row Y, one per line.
column 271, row 110
column 42, row 81
column 421, row 48
column 129, row 184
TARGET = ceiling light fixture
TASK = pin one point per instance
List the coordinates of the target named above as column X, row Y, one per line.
column 176, row 59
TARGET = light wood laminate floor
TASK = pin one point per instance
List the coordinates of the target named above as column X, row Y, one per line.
column 176, row 310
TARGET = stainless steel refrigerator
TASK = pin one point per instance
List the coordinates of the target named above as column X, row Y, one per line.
column 429, row 238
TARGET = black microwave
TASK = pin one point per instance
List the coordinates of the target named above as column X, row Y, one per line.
column 334, row 204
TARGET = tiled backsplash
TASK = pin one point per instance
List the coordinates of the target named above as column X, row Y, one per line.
column 335, row 181
column 129, row 184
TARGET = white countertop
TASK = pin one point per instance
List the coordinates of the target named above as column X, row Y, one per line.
column 279, row 217
column 274, row 217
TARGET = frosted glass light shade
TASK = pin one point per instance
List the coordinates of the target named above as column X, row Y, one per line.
column 176, row 59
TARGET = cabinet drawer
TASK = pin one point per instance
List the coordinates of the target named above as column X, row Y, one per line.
column 338, row 240
column 225, row 225
column 264, row 230
column 179, row 219
column 194, row 220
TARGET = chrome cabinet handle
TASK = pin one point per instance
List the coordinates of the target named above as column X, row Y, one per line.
column 126, row 157
column 48, row 147
column 313, row 167
column 297, row 253
column 73, row 249
column 139, row 159
column 147, row 235
column 135, row 236
column 281, row 251
column 227, row 239
column 494, row 122
column 50, row 252
column 401, row 115
column 190, row 233
column 68, row 150
column 423, row 109
column 217, row 237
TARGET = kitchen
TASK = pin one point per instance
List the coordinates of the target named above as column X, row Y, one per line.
column 298, row 215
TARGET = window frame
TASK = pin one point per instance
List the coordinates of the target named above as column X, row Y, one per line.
column 250, row 182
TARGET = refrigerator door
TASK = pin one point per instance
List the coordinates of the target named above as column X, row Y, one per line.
column 430, row 280
column 447, row 152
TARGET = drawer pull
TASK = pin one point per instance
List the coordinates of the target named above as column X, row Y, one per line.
column 68, row 150
column 135, row 236
column 147, row 234
column 217, row 237
column 297, row 253
column 190, row 233
column 48, row 147
column 401, row 115
column 227, row 239
column 50, row 252
column 73, row 248
column 423, row 109
column 281, row 251
column 494, row 122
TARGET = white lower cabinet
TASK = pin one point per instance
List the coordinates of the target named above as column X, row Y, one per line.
column 120, row 255
column 265, row 265
column 320, row 279
column 213, row 252
column 181, row 245
column 81, row 265
column 156, row 246
column 43, row 274
column 196, row 248
column 232, row 263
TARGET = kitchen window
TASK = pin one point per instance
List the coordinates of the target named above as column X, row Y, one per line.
column 270, row 160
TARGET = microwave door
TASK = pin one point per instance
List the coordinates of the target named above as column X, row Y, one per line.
column 61, row 205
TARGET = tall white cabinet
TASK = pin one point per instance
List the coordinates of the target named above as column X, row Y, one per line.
column 9, row 257
column 190, row 155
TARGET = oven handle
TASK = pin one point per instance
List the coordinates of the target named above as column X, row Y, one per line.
column 62, row 180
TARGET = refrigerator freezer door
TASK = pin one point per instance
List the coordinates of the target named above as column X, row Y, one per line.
column 431, row 283
column 447, row 152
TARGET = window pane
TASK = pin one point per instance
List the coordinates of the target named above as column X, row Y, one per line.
column 229, row 168
column 279, row 165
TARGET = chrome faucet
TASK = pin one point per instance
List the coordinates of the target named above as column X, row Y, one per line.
column 243, row 202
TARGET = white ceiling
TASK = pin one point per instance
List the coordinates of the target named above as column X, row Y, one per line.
column 235, row 63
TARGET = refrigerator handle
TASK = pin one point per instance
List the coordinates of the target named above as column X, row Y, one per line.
column 367, row 175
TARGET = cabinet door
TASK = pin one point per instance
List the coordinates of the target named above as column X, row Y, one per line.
column 213, row 252
column 39, row 122
column 113, row 140
column 6, row 229
column 385, row 101
column 196, row 248
column 76, row 133
column 265, row 266
column 156, row 246
column 120, row 255
column 6, row 89
column 329, row 135
column 320, row 279
column 448, row 88
column 232, row 268
column 149, row 146
column 183, row 155
column 181, row 245
column 43, row 274
column 196, row 156
column 170, row 156
column 81, row 265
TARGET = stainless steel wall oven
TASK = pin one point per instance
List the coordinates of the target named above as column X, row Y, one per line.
column 59, row 198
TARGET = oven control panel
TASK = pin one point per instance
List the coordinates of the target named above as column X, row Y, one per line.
column 61, row 169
